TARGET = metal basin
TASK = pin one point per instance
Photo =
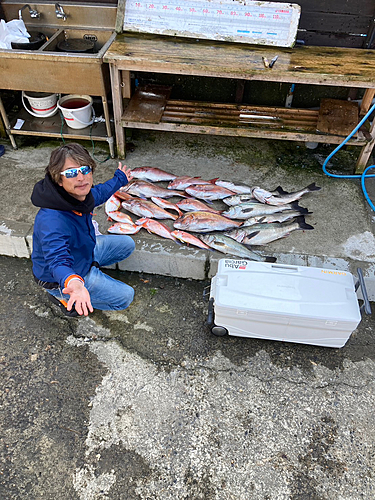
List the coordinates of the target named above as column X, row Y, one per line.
column 101, row 39
column 47, row 31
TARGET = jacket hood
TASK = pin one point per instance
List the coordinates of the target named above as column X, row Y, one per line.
column 47, row 194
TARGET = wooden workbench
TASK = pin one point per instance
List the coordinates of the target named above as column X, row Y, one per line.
column 329, row 66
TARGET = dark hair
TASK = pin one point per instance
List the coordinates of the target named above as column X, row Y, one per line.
column 75, row 152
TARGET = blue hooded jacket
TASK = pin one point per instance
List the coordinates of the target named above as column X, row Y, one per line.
column 64, row 235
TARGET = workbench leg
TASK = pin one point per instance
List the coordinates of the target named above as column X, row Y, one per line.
column 366, row 101
column 366, row 151
column 117, row 109
column 126, row 84
column 108, row 126
column 4, row 116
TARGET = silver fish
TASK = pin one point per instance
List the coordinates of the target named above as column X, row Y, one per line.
column 240, row 233
column 145, row 208
column 239, row 198
column 247, row 210
column 204, row 222
column 208, row 192
column 236, row 188
column 265, row 233
column 152, row 174
column 281, row 198
column 145, row 189
column 248, row 197
column 277, row 217
column 227, row 245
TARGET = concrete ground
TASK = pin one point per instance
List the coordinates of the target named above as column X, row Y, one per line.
column 147, row 403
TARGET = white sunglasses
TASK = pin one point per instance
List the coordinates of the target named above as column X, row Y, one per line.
column 73, row 172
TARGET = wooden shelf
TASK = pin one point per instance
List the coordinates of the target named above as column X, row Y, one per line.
column 328, row 66
column 53, row 127
column 151, row 109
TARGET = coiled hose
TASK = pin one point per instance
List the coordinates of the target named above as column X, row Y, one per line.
column 362, row 176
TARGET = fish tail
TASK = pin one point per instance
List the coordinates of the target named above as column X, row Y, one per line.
column 297, row 207
column 251, row 235
column 302, row 223
column 270, row 259
column 142, row 221
column 280, row 190
column 304, row 211
column 313, row 187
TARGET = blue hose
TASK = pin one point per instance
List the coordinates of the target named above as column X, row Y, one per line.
column 362, row 176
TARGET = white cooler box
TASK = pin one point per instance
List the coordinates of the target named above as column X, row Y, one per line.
column 300, row 304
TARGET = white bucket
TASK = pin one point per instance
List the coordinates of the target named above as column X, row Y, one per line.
column 77, row 110
column 41, row 104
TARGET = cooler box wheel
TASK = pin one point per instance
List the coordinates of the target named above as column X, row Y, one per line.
column 219, row 331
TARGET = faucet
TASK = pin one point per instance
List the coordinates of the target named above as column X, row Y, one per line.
column 33, row 13
column 60, row 14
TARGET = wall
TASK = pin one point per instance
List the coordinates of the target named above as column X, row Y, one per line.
column 337, row 23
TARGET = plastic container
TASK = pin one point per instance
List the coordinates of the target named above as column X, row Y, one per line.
column 41, row 104
column 288, row 303
column 36, row 40
column 77, row 110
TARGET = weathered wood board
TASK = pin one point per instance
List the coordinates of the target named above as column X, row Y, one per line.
column 311, row 65
column 337, row 117
column 147, row 104
column 261, row 23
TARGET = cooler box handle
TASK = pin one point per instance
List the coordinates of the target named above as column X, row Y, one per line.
column 361, row 284
column 284, row 268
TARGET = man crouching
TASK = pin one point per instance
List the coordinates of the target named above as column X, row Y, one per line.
column 66, row 251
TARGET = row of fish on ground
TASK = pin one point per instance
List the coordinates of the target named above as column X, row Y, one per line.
column 252, row 216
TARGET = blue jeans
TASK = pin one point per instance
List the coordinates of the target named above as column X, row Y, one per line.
column 107, row 293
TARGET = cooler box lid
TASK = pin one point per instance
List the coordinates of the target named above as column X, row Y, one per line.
column 286, row 290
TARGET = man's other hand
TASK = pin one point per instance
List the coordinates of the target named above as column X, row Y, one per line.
column 127, row 171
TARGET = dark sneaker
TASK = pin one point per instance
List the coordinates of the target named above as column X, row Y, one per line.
column 61, row 303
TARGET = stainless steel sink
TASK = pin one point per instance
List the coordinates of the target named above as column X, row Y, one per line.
column 102, row 39
column 49, row 70
column 87, row 21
